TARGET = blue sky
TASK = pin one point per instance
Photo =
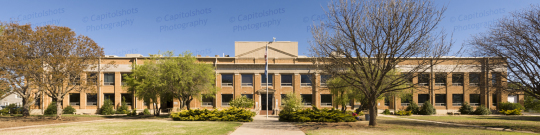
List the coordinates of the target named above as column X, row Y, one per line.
column 211, row 27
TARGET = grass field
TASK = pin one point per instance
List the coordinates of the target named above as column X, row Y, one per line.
column 524, row 123
column 135, row 127
column 393, row 126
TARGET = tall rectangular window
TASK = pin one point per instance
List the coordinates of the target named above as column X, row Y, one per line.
column 207, row 101
column 406, row 99
column 440, row 99
column 422, row 98
column 474, row 79
column 457, row 99
column 250, row 96
column 305, row 80
column 306, row 99
column 91, row 99
column 474, row 99
column 440, row 79
column 91, row 77
column 37, row 99
column 423, row 80
column 226, row 80
column 247, row 80
column 74, row 99
column 494, row 99
column 263, row 80
column 108, row 79
column 128, row 98
column 286, row 80
column 324, row 79
column 326, row 99
column 457, row 79
column 387, row 101
column 225, row 99
column 493, row 79
column 109, row 96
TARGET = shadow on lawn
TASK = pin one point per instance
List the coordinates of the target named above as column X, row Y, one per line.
column 516, row 118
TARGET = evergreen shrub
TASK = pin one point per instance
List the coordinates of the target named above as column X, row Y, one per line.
column 511, row 112
column 320, row 115
column 69, row 110
column 413, row 107
column 510, row 106
column 107, row 108
column 466, row 109
column 123, row 108
column 51, row 109
column 229, row 114
column 427, row 109
column 386, row 112
column 146, row 112
column 482, row 110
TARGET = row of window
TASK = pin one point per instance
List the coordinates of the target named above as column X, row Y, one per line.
column 307, row 99
column 91, row 99
column 440, row 100
column 286, row 80
column 457, row 79
column 108, row 78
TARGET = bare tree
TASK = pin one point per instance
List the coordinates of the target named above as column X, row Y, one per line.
column 515, row 38
column 364, row 41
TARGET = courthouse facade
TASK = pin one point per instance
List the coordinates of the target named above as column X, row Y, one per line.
column 455, row 80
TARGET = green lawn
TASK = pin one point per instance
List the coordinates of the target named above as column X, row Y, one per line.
column 395, row 126
column 135, row 127
column 525, row 123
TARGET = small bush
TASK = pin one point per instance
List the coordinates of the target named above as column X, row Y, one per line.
column 466, row 108
column 402, row 113
column 292, row 102
column 69, row 110
column 321, row 115
column 242, row 102
column 427, row 109
column 386, row 112
column 482, row 110
column 123, row 108
column 107, row 108
column 511, row 112
column 510, row 106
column 4, row 111
column 413, row 107
column 51, row 109
column 133, row 113
column 146, row 112
column 230, row 114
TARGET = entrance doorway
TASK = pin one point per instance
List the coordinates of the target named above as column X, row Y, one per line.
column 263, row 101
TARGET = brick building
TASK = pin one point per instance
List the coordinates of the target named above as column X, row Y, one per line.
column 456, row 80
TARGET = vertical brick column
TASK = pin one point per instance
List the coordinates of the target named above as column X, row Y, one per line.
column 237, row 85
column 82, row 101
column 315, row 89
column 296, row 84
column 217, row 99
column 117, row 89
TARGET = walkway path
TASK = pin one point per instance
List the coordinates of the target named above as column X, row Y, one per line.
column 457, row 124
column 270, row 126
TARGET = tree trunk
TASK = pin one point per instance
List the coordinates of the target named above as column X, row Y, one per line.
column 373, row 113
column 59, row 109
column 26, row 108
column 187, row 104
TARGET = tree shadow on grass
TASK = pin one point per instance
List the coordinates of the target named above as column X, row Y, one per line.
column 512, row 118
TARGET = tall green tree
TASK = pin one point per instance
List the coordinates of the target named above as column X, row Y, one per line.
column 145, row 82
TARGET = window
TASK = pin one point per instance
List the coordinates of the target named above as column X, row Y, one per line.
column 91, row 77
column 74, row 99
column 406, row 99
column 422, row 98
column 407, row 77
column 247, row 80
column 108, row 79
column 270, row 80
column 457, row 99
column 128, row 98
column 474, row 79
column 386, row 101
column 74, row 80
column 326, row 100
column 440, row 79
column 423, row 80
column 324, row 79
column 440, row 99
column 109, row 97
column 306, row 99
column 250, row 96
column 494, row 99
column 305, row 80
column 474, row 99
column 207, row 101
column 226, row 80
column 457, row 79
column 91, row 99
column 286, row 80
column 123, row 78
column 37, row 99
column 225, row 99
column 493, row 79
column 283, row 97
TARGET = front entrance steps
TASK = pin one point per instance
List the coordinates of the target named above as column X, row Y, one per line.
column 263, row 112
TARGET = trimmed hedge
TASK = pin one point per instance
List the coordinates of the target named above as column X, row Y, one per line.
column 510, row 106
column 320, row 115
column 402, row 113
column 230, row 114
column 511, row 112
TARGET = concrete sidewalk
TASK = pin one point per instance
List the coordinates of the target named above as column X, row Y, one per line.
column 270, row 126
